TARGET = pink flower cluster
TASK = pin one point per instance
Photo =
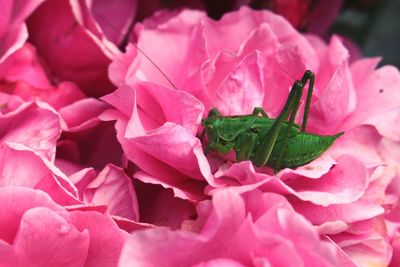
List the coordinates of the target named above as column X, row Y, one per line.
column 100, row 157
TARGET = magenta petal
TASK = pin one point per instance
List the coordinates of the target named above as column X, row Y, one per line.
column 182, row 54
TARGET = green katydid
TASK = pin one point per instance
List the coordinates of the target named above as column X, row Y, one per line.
column 276, row 143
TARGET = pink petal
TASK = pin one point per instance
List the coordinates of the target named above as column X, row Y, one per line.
column 33, row 125
column 82, row 115
column 47, row 239
column 22, row 167
column 114, row 17
column 360, row 142
column 345, row 183
column 106, row 239
column 24, row 65
column 84, row 59
column 183, row 53
column 13, row 32
column 242, row 89
column 173, row 146
column 377, row 95
column 15, row 201
column 113, row 188
column 348, row 213
column 162, row 104
column 160, row 207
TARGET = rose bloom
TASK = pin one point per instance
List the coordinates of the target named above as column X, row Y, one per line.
column 251, row 59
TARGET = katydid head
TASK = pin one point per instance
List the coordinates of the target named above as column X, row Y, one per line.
column 210, row 125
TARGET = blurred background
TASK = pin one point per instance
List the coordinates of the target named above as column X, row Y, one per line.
column 374, row 25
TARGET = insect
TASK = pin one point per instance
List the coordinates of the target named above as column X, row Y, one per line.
column 276, row 143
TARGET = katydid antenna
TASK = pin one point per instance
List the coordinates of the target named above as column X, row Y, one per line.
column 125, row 41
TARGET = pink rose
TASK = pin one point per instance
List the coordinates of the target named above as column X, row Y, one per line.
column 244, row 60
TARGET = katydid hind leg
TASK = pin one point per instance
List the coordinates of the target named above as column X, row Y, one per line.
column 267, row 144
column 296, row 103
column 308, row 76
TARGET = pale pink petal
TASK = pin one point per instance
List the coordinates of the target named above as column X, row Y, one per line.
column 112, row 187
column 173, row 146
column 33, row 125
column 345, row 183
column 229, row 233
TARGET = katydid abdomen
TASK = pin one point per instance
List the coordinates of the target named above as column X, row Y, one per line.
column 245, row 133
